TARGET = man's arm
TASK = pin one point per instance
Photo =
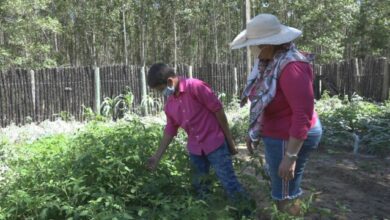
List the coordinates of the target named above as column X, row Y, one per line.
column 155, row 159
column 222, row 120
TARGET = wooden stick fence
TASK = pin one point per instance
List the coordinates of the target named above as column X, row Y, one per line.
column 368, row 78
column 37, row 95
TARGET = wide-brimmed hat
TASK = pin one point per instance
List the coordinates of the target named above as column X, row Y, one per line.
column 265, row 29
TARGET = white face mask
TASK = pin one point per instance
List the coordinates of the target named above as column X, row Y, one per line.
column 168, row 91
column 255, row 50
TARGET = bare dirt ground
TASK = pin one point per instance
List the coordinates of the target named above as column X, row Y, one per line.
column 343, row 186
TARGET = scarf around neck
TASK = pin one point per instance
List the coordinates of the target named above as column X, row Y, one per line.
column 261, row 85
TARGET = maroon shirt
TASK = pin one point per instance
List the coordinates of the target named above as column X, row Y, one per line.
column 291, row 112
column 193, row 110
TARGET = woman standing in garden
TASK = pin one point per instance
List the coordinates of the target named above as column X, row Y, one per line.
column 280, row 90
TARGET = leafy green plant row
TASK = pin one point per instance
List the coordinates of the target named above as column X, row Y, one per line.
column 355, row 123
column 347, row 124
column 100, row 174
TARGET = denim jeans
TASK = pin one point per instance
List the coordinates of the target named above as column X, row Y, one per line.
column 274, row 153
column 220, row 160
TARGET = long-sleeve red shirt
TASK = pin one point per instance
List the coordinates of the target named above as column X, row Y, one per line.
column 291, row 112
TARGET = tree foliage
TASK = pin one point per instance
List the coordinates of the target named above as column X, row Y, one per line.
column 46, row 33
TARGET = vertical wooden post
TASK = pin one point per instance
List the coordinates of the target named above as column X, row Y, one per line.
column 357, row 70
column 190, row 71
column 32, row 74
column 317, row 81
column 385, row 72
column 143, row 91
column 235, row 82
column 96, row 76
column 355, row 78
column 338, row 79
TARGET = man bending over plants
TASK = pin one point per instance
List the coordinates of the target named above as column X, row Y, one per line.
column 193, row 106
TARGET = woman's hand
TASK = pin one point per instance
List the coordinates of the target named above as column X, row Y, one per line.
column 249, row 145
column 287, row 168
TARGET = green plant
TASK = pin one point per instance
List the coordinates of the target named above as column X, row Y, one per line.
column 118, row 106
column 222, row 97
column 88, row 113
column 106, row 107
column 342, row 207
column 356, row 123
column 66, row 116
column 151, row 104
column 238, row 118
column 100, row 173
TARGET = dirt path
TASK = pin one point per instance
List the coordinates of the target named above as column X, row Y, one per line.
column 345, row 186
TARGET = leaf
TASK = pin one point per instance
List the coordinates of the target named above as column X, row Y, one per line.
column 140, row 212
column 84, row 213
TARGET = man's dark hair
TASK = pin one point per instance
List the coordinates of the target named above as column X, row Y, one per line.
column 158, row 74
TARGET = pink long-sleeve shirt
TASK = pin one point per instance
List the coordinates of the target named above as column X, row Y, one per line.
column 291, row 112
column 193, row 109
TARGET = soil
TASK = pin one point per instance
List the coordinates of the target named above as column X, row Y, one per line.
column 342, row 185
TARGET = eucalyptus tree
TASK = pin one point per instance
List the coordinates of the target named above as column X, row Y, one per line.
column 372, row 32
column 43, row 33
column 26, row 28
column 325, row 23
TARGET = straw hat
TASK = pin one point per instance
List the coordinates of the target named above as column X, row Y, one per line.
column 265, row 29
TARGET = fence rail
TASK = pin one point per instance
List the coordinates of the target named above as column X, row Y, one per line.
column 37, row 95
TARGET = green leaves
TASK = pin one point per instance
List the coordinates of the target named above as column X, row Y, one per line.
column 28, row 27
column 117, row 107
column 100, row 174
column 342, row 118
column 48, row 33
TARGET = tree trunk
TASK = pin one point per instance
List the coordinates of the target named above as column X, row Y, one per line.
column 248, row 52
column 215, row 33
column 94, row 55
column 56, row 42
column 143, row 36
column 125, row 38
column 74, row 50
column 228, row 58
column 130, row 44
column 1, row 37
column 175, row 40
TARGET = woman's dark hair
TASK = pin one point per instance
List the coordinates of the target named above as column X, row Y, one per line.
column 158, row 74
column 283, row 47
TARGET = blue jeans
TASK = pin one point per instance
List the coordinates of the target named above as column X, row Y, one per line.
column 274, row 153
column 221, row 162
